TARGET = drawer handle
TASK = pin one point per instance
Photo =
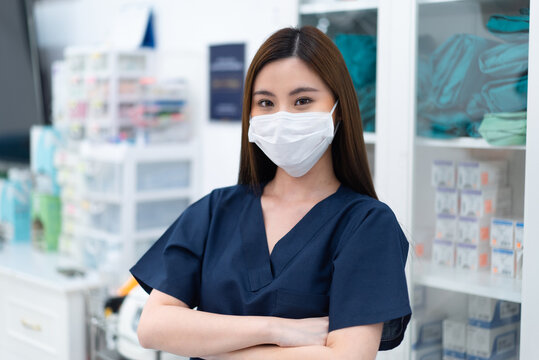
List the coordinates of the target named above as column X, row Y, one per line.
column 30, row 326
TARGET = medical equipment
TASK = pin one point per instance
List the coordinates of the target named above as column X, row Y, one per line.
column 454, row 338
column 443, row 174
column 502, row 233
column 446, row 227
column 447, row 201
column 493, row 343
column 443, row 252
column 479, row 203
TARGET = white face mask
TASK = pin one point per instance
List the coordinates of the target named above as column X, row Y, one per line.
column 293, row 141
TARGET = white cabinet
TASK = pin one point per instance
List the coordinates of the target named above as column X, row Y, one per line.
column 42, row 312
column 407, row 32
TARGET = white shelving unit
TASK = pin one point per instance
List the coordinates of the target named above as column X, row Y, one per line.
column 130, row 194
column 403, row 160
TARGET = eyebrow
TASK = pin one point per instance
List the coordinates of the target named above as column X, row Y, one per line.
column 293, row 92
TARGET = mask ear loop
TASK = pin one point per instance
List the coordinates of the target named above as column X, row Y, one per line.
column 331, row 113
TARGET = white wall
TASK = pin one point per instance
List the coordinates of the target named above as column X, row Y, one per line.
column 184, row 30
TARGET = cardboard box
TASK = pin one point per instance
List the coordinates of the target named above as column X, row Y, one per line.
column 472, row 230
column 473, row 256
column 500, row 343
column 479, row 203
column 443, row 252
column 503, row 262
column 502, row 233
column 475, row 175
column 447, row 201
column 519, row 235
column 454, row 338
column 446, row 227
column 489, row 313
column 443, row 174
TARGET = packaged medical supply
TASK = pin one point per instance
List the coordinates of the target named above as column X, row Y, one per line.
column 473, row 230
column 477, row 175
column 490, row 313
column 519, row 258
column 446, row 227
column 502, row 233
column 447, row 201
column 454, row 339
column 433, row 352
column 44, row 140
column 473, row 256
column 503, row 262
column 426, row 331
column 478, row 203
column 493, row 343
column 443, row 252
column 519, row 235
column 443, row 174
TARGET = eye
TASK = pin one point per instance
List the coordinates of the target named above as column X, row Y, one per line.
column 264, row 103
column 303, row 101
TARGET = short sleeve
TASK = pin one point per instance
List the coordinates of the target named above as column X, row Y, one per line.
column 173, row 264
column 369, row 281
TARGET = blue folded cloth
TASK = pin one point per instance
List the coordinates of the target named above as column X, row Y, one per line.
column 367, row 104
column 502, row 95
column 505, row 60
column 508, row 23
column 359, row 53
column 456, row 75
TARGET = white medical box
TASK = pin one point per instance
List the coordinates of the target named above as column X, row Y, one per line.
column 447, row 201
column 426, row 331
column 419, row 298
column 443, row 174
column 473, row 256
column 479, row 203
column 502, row 233
column 434, row 352
column 490, row 313
column 519, row 235
column 477, row 175
column 503, row 262
column 500, row 343
column 454, row 339
column 473, row 230
column 443, row 252
column 446, row 227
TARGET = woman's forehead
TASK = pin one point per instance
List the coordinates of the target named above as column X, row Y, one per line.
column 286, row 75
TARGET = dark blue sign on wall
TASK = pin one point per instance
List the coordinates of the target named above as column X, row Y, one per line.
column 227, row 68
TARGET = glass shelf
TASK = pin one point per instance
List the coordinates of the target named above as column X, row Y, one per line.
column 465, row 143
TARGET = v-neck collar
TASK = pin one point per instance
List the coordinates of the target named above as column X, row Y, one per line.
column 263, row 267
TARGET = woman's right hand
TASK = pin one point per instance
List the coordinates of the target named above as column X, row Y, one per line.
column 301, row 332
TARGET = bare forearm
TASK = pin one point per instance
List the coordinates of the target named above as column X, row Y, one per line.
column 196, row 333
column 273, row 352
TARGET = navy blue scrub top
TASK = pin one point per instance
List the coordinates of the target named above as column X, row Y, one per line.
column 344, row 259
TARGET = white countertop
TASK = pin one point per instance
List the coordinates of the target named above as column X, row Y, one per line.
column 24, row 262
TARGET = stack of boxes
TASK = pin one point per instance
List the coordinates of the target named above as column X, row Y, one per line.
column 468, row 195
column 506, row 239
column 478, row 328
column 493, row 329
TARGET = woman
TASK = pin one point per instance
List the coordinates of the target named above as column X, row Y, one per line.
column 299, row 260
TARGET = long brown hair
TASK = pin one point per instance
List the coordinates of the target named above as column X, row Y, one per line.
column 349, row 155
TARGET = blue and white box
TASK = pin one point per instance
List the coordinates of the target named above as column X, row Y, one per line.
column 490, row 313
column 454, row 339
column 499, row 343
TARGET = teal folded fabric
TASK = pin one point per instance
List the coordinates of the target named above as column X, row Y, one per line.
column 504, row 128
column 505, row 60
column 507, row 23
column 359, row 53
column 456, row 75
column 503, row 95
column 367, row 104
column 436, row 123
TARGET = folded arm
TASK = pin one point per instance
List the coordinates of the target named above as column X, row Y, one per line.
column 358, row 342
column 168, row 324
